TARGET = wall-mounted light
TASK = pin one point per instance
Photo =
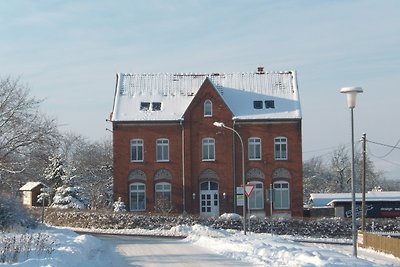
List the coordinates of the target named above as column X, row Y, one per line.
column 194, row 196
column 224, row 195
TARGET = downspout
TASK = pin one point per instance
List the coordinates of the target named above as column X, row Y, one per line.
column 234, row 169
column 183, row 165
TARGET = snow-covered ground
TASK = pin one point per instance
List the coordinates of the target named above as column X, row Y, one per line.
column 72, row 249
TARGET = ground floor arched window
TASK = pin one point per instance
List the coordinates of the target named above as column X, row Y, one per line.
column 137, row 197
column 256, row 199
column 162, row 197
column 281, row 195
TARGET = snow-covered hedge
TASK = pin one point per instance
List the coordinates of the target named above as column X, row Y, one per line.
column 13, row 215
column 324, row 227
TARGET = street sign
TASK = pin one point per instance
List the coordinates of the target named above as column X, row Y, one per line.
column 248, row 189
column 239, row 196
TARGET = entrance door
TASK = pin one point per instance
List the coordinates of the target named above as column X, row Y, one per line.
column 209, row 200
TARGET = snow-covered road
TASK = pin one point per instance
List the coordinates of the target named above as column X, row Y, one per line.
column 156, row 251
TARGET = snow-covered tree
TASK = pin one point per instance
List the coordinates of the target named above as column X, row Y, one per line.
column 69, row 197
column 55, row 174
column 22, row 128
column 91, row 163
column 66, row 193
column 334, row 176
column 119, row 206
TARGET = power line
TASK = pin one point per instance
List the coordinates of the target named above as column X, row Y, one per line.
column 391, row 150
column 385, row 160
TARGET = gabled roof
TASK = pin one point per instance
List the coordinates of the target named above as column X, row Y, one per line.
column 165, row 97
column 30, row 186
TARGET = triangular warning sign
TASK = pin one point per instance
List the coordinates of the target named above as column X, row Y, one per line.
column 248, row 189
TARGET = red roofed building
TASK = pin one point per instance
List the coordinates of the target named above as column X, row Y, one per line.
column 168, row 155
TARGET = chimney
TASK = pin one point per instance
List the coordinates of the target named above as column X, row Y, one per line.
column 260, row 70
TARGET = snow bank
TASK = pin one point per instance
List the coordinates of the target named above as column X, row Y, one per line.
column 272, row 250
column 71, row 249
column 262, row 249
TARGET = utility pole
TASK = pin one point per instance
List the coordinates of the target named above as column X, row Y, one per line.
column 364, row 139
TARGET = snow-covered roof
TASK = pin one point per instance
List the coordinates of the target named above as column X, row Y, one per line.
column 165, row 97
column 30, row 186
column 326, row 199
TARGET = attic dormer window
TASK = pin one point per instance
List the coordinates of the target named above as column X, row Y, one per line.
column 156, row 106
column 257, row 104
column 144, row 106
column 269, row 104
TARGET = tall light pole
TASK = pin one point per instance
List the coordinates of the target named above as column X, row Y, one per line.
column 222, row 125
column 351, row 93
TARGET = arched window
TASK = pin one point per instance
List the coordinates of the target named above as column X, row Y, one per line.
column 254, row 148
column 162, row 174
column 162, row 197
column 137, row 199
column 281, row 195
column 256, row 199
column 207, row 108
column 135, row 175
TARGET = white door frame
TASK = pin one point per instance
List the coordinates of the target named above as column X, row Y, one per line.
column 209, row 199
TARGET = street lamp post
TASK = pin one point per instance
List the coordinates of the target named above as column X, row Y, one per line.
column 351, row 93
column 222, row 125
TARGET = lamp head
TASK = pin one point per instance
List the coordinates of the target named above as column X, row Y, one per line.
column 351, row 93
column 218, row 124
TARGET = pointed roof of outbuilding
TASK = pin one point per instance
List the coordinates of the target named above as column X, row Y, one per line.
column 165, row 97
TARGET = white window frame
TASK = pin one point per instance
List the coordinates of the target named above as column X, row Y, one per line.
column 162, row 150
column 208, row 149
column 137, row 191
column 163, row 189
column 137, row 150
column 254, row 143
column 144, row 106
column 256, row 199
column 207, row 108
column 156, row 106
column 280, row 148
column 281, row 195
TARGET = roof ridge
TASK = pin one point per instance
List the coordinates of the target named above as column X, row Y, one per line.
column 203, row 74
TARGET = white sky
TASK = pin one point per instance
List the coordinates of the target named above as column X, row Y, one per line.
column 69, row 52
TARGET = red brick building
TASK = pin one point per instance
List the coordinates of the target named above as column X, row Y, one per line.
column 168, row 155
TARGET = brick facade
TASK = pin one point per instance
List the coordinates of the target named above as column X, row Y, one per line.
column 188, row 170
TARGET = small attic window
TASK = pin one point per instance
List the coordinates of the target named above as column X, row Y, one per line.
column 156, row 106
column 207, row 108
column 269, row 104
column 144, row 106
column 257, row 104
